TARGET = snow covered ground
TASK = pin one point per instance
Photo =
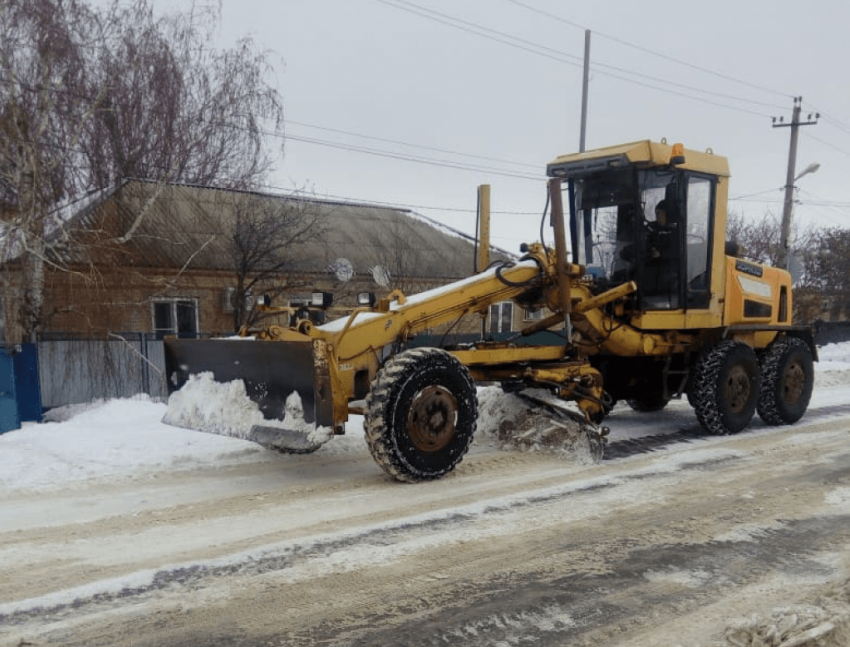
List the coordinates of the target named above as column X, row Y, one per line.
column 120, row 439
column 134, row 506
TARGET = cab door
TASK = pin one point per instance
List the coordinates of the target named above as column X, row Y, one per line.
column 698, row 237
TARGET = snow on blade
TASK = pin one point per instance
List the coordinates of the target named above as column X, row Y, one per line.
column 518, row 425
column 224, row 408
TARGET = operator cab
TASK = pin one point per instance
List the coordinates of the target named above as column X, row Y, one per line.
column 648, row 225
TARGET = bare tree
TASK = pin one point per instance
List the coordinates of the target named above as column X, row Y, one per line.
column 828, row 262
column 759, row 239
column 88, row 97
column 268, row 234
column 42, row 68
column 397, row 259
column 175, row 110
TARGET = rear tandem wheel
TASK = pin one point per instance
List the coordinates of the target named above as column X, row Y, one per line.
column 787, row 369
column 726, row 387
column 421, row 414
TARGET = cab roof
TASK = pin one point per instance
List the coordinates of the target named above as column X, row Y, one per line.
column 643, row 154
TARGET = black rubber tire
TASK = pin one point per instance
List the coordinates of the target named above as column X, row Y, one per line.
column 787, row 374
column 648, row 402
column 726, row 388
column 421, row 414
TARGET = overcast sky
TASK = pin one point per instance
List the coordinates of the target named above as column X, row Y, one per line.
column 489, row 91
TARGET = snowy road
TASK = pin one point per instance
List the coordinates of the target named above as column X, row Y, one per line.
column 213, row 541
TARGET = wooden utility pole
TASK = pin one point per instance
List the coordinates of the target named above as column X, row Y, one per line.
column 790, row 178
column 483, row 258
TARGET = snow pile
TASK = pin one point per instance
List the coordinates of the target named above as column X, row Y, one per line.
column 224, row 408
column 107, row 440
column 825, row 624
column 519, row 424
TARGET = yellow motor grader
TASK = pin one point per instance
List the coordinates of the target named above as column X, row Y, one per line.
column 650, row 303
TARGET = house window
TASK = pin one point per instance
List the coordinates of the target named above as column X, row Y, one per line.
column 532, row 315
column 501, row 317
column 175, row 317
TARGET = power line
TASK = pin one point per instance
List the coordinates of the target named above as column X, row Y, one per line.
column 681, row 85
column 652, row 52
column 839, row 212
column 401, row 143
column 831, row 120
column 687, row 96
column 412, row 158
column 826, row 143
column 564, row 57
column 485, row 32
column 752, row 195
column 821, row 202
column 406, row 205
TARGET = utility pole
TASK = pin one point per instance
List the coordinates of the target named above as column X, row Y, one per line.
column 585, row 78
column 790, row 178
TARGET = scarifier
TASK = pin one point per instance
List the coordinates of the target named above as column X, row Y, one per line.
column 653, row 305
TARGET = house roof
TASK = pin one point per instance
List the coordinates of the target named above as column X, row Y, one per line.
column 191, row 226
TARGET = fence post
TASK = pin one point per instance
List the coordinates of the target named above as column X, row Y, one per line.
column 10, row 419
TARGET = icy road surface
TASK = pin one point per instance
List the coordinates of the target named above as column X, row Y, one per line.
column 118, row 530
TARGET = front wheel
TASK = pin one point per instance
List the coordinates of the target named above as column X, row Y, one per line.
column 787, row 370
column 726, row 387
column 421, row 414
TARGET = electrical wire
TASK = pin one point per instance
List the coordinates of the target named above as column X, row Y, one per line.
column 413, row 158
column 826, row 143
column 752, row 195
column 485, row 32
column 402, row 143
column 646, row 50
column 829, row 118
column 821, row 202
column 561, row 56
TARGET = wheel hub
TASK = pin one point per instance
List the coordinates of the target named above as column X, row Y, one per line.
column 738, row 389
column 793, row 383
column 432, row 417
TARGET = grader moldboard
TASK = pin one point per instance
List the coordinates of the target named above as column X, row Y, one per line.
column 654, row 305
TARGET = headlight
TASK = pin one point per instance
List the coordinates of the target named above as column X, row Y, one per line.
column 366, row 299
column 322, row 299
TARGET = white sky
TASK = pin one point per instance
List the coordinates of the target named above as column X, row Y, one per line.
column 381, row 70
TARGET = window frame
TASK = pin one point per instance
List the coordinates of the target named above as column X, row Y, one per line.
column 173, row 303
column 500, row 307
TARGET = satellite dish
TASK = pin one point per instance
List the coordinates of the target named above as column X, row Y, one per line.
column 381, row 275
column 342, row 269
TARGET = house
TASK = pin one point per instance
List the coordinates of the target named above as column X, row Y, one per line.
column 180, row 259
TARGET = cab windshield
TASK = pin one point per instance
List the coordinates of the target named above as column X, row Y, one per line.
column 648, row 226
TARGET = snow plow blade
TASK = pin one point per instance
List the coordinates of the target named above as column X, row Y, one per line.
column 270, row 370
column 286, row 440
